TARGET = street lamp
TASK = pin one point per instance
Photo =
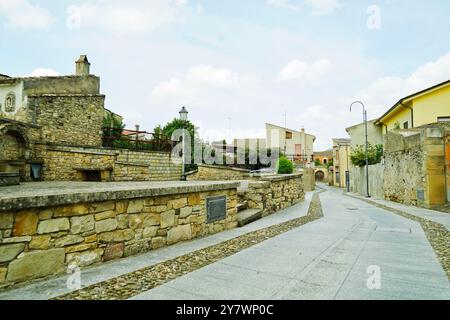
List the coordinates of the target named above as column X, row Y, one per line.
column 183, row 117
column 367, row 143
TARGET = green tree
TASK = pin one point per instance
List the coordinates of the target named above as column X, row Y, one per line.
column 112, row 129
column 170, row 128
column 358, row 155
column 317, row 162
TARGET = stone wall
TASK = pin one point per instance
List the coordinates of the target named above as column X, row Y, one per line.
column 273, row 193
column 211, row 172
column 65, row 163
column 70, row 119
column 62, row 85
column 376, row 180
column 404, row 176
column 41, row 241
column 309, row 179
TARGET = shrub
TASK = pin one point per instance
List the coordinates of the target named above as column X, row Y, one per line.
column 285, row 166
column 358, row 155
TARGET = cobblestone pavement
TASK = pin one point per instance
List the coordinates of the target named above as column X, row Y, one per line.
column 134, row 283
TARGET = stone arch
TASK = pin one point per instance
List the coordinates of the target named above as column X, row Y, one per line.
column 14, row 143
column 320, row 176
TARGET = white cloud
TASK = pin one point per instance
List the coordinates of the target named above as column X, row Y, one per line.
column 283, row 4
column 318, row 7
column 42, row 72
column 22, row 14
column 323, row 7
column 197, row 79
column 301, row 71
column 386, row 91
column 133, row 16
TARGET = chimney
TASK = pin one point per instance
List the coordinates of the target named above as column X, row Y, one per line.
column 303, row 129
column 82, row 66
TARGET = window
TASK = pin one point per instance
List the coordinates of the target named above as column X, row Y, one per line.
column 288, row 135
column 324, row 161
column 405, row 125
column 444, row 119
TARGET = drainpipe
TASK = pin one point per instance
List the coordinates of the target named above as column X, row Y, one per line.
column 412, row 114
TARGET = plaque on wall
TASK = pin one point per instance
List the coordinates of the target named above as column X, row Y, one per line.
column 216, row 209
column 10, row 102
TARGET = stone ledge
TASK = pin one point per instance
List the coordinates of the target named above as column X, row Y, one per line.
column 224, row 168
column 42, row 194
column 282, row 177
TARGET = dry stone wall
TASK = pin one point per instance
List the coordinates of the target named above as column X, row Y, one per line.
column 403, row 174
column 211, row 172
column 44, row 241
column 274, row 193
column 65, row 163
column 69, row 119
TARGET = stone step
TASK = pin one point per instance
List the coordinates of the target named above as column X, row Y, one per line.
column 247, row 216
column 241, row 206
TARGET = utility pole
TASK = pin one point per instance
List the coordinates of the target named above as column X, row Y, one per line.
column 367, row 143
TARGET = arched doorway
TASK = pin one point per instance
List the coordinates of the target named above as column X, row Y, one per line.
column 320, row 176
column 13, row 150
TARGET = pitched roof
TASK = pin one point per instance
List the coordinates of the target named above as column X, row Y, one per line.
column 412, row 96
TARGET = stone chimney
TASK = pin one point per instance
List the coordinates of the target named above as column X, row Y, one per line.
column 82, row 66
column 303, row 129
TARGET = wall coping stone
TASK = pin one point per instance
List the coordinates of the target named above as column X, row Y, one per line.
column 43, row 194
column 282, row 177
column 224, row 168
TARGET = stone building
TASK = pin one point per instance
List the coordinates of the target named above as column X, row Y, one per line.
column 51, row 129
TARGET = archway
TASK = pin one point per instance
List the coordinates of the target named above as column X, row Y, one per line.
column 320, row 176
column 13, row 150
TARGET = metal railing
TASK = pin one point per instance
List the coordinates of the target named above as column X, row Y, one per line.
column 135, row 140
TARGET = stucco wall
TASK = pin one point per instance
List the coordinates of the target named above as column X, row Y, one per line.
column 431, row 106
column 376, row 180
column 358, row 135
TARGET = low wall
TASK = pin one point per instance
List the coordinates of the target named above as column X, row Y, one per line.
column 273, row 193
column 376, row 180
column 211, row 172
column 43, row 231
column 9, row 179
column 64, row 164
column 309, row 179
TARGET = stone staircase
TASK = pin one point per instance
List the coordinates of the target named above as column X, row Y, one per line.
column 246, row 216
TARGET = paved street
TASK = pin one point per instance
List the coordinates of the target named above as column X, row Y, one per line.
column 325, row 259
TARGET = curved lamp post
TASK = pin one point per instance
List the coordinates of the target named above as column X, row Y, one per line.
column 367, row 143
column 183, row 117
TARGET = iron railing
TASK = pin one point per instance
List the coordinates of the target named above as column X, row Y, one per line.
column 135, row 140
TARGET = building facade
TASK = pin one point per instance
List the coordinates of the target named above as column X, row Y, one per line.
column 428, row 106
column 341, row 161
column 51, row 128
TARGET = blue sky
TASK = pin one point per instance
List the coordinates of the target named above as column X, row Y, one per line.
column 236, row 64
